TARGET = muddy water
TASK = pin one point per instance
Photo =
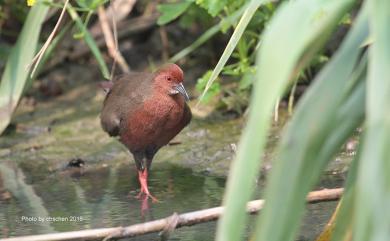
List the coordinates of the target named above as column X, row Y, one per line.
column 75, row 199
column 40, row 194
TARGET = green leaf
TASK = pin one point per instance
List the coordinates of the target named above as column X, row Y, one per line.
column 328, row 113
column 296, row 30
column 50, row 49
column 246, row 81
column 15, row 74
column 215, row 89
column 171, row 11
column 207, row 35
column 213, row 7
column 91, row 5
column 90, row 41
column 344, row 218
column 241, row 26
column 372, row 217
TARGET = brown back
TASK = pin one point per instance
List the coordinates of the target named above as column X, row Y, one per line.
column 126, row 95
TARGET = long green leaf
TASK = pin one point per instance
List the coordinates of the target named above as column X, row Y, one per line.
column 16, row 73
column 207, row 35
column 294, row 27
column 344, row 219
column 241, row 26
column 90, row 41
column 372, row 212
column 311, row 140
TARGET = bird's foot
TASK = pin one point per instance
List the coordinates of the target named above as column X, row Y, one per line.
column 139, row 196
column 143, row 180
column 142, row 195
column 155, row 200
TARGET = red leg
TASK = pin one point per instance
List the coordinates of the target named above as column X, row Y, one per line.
column 143, row 180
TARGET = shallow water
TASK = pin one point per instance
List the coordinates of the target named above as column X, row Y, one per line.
column 78, row 199
column 34, row 180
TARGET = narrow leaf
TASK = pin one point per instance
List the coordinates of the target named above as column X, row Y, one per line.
column 299, row 22
column 207, row 35
column 15, row 74
column 325, row 117
column 241, row 26
column 373, row 185
column 90, row 41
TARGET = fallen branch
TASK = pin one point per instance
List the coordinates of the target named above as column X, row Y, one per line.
column 186, row 219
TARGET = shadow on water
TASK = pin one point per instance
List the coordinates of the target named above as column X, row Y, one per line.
column 105, row 197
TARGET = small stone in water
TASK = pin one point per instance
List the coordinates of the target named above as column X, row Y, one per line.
column 77, row 162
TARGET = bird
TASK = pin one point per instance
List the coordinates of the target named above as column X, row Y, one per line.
column 145, row 111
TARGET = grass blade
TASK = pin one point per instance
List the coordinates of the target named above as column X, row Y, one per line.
column 15, row 74
column 207, row 35
column 312, row 139
column 277, row 59
column 90, row 41
column 344, row 218
column 241, row 26
column 372, row 216
column 50, row 49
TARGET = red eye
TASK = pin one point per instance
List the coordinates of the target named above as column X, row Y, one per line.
column 169, row 78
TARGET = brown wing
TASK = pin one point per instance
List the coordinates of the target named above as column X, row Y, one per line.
column 126, row 95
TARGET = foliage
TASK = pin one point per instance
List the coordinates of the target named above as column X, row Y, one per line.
column 90, row 5
column 241, row 63
column 352, row 88
column 214, row 89
column 90, row 41
column 16, row 74
column 171, row 11
column 242, row 60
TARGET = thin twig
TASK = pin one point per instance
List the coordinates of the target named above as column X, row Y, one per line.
column 35, row 61
column 291, row 99
column 126, row 28
column 114, row 27
column 110, row 41
column 276, row 110
column 186, row 219
column 165, row 43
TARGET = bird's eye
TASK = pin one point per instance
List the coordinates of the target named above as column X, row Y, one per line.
column 169, row 78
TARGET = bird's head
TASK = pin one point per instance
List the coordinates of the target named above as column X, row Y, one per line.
column 169, row 79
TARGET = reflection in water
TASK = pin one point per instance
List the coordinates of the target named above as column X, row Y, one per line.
column 105, row 197
column 13, row 179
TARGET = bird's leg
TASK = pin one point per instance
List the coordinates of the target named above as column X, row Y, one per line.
column 143, row 180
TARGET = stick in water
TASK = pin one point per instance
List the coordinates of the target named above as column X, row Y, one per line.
column 186, row 219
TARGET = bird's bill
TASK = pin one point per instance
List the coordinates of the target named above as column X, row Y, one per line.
column 180, row 88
